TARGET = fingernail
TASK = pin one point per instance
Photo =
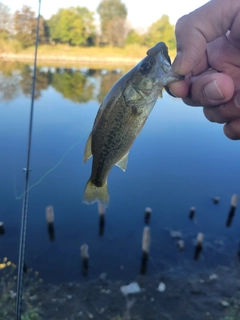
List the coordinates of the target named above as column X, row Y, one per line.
column 170, row 92
column 212, row 91
column 177, row 62
column 237, row 99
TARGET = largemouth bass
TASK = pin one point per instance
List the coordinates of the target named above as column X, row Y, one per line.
column 121, row 117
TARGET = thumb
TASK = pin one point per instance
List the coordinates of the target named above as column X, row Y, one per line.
column 200, row 27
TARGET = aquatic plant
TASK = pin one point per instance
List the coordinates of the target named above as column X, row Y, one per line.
column 8, row 285
column 230, row 318
column 233, row 311
column 124, row 318
column 234, row 316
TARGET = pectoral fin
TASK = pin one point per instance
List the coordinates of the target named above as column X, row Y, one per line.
column 88, row 149
column 122, row 164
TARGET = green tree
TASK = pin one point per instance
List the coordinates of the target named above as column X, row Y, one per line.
column 25, row 24
column 43, row 30
column 134, row 37
column 113, row 14
column 161, row 30
column 5, row 21
column 74, row 25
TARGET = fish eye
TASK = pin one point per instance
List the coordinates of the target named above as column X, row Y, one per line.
column 145, row 67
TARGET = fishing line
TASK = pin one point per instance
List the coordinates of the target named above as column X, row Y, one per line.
column 25, row 199
column 50, row 170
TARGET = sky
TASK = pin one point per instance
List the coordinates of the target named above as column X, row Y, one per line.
column 141, row 14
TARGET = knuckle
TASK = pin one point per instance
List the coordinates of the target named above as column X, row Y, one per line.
column 181, row 22
column 191, row 102
column 209, row 114
column 232, row 130
column 214, row 114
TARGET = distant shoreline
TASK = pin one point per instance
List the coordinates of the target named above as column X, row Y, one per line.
column 65, row 58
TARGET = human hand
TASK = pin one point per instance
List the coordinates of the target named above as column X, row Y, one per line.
column 209, row 56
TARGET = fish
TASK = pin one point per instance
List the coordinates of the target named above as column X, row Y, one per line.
column 122, row 115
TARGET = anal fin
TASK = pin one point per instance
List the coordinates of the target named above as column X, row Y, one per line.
column 122, row 164
column 88, row 149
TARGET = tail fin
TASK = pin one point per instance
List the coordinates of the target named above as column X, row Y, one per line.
column 93, row 194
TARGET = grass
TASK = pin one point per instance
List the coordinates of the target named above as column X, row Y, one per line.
column 10, row 46
column 8, row 284
column 134, row 51
column 233, row 311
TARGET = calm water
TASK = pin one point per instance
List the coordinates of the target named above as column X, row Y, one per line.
column 178, row 161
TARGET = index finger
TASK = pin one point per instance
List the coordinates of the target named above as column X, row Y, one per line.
column 200, row 27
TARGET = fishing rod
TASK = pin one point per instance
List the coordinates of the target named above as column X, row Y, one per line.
column 25, row 200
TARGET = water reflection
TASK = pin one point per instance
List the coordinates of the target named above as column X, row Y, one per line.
column 107, row 79
column 73, row 85
column 178, row 161
column 9, row 87
column 42, row 81
column 78, row 85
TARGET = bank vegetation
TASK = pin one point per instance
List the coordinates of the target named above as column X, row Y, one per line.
column 72, row 34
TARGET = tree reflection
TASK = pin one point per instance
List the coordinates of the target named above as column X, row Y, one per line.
column 76, row 85
column 73, row 85
column 16, row 78
column 9, row 81
column 107, row 81
column 9, row 87
column 7, row 68
column 42, row 81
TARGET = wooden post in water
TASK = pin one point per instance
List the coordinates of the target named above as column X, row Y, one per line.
column 147, row 215
column 50, row 222
column 216, row 200
column 192, row 213
column 181, row 244
column 146, row 239
column 101, row 212
column 85, row 258
column 232, row 210
column 199, row 246
column 2, row 229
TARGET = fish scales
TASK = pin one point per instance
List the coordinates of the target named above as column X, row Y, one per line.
column 121, row 117
column 110, row 144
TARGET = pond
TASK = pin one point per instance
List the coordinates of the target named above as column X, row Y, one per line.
column 179, row 161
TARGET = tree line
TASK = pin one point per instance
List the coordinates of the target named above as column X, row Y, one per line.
column 76, row 26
